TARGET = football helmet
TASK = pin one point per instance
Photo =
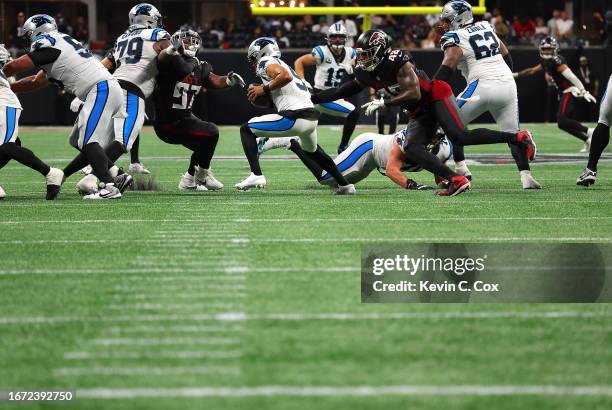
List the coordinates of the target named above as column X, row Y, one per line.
column 549, row 48
column 371, row 48
column 38, row 24
column 456, row 14
column 145, row 15
column 336, row 36
column 190, row 40
column 261, row 47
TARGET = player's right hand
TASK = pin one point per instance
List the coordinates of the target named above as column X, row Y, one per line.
column 76, row 104
column 589, row 97
column 415, row 186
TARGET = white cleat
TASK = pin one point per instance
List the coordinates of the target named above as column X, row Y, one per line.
column 87, row 185
column 138, row 168
column 528, row 181
column 463, row 170
column 108, row 191
column 188, row 183
column 252, row 181
column 2, row 193
column 87, row 170
column 587, row 145
column 54, row 180
column 346, row 190
column 205, row 177
column 267, row 144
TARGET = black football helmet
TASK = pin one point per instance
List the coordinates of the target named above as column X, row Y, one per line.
column 549, row 47
column 371, row 48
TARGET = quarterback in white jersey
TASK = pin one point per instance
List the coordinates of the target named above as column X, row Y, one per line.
column 366, row 152
column 295, row 115
column 65, row 61
column 335, row 62
column 483, row 59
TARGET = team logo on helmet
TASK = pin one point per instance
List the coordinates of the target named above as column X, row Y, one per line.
column 143, row 10
column 378, row 38
column 40, row 20
column 460, row 6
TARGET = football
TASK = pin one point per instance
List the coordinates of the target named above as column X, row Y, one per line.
column 263, row 101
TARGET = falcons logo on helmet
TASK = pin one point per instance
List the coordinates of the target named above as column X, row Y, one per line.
column 378, row 38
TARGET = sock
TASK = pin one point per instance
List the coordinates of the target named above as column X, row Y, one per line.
column 418, row 154
column 113, row 171
column 192, row 164
column 324, row 161
column 458, row 153
column 249, row 145
column 599, row 142
column 114, row 151
column 312, row 166
column 481, row 136
column 520, row 157
column 590, row 132
column 3, row 159
column 206, row 151
column 25, row 157
column 349, row 126
column 78, row 163
column 134, row 157
column 99, row 161
column 459, row 164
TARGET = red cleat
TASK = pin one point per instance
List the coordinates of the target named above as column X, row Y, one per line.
column 524, row 138
column 457, row 185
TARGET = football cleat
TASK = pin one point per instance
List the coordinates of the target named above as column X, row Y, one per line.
column 346, row 190
column 106, row 191
column 442, row 183
column 87, row 170
column 274, row 143
column 528, row 181
column 123, row 182
column 587, row 145
column 187, row 183
column 525, row 138
column 87, row 185
column 458, row 184
column 252, row 181
column 260, row 144
column 54, row 179
column 138, row 168
column 462, row 169
column 587, row 177
column 206, row 178
column 2, row 193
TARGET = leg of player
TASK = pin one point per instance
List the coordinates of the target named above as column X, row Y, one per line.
column 313, row 167
column 565, row 112
column 10, row 149
column 346, row 110
column 601, row 138
column 136, row 166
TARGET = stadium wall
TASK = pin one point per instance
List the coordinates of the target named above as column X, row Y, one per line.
column 47, row 106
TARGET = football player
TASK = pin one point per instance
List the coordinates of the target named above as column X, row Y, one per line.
column 10, row 146
column 133, row 62
column 600, row 139
column 365, row 153
column 296, row 114
column 486, row 64
column 429, row 102
column 179, row 82
column 334, row 61
column 63, row 59
column 569, row 86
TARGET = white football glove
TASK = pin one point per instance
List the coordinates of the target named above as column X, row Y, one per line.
column 373, row 105
column 578, row 93
column 234, row 79
column 76, row 104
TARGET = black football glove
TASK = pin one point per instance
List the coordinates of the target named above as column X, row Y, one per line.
column 415, row 186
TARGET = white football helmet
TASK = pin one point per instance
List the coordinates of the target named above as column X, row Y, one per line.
column 145, row 15
column 5, row 56
column 457, row 13
column 38, row 24
column 336, row 36
column 261, row 47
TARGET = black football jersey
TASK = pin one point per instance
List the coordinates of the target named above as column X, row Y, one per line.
column 384, row 77
column 551, row 66
column 178, row 83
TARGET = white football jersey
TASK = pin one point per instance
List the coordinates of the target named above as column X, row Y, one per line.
column 482, row 57
column 293, row 95
column 7, row 96
column 76, row 69
column 330, row 72
column 135, row 59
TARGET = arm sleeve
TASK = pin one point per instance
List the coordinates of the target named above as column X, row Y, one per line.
column 42, row 56
column 444, row 73
column 571, row 77
column 345, row 90
column 178, row 66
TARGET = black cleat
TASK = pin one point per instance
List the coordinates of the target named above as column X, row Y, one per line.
column 587, row 178
column 123, row 182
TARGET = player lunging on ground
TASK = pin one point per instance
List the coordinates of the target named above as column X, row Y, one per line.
column 486, row 64
column 10, row 146
column 63, row 59
column 569, row 86
column 296, row 114
column 335, row 62
column 601, row 138
column 180, row 81
column 429, row 103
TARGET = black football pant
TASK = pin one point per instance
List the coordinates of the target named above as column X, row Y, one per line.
column 565, row 117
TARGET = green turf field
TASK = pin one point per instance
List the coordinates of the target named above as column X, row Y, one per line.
column 251, row 300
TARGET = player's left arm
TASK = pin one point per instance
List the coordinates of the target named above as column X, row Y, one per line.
column 452, row 57
column 30, row 83
column 18, row 65
column 410, row 89
column 577, row 88
column 506, row 55
column 395, row 162
column 232, row 79
column 280, row 77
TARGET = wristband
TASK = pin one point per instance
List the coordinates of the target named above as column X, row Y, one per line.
column 266, row 88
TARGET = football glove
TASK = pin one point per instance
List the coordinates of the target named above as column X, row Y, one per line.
column 373, row 105
column 415, row 186
column 76, row 104
column 578, row 93
column 234, row 79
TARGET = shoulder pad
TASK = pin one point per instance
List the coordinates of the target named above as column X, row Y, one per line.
column 559, row 60
column 318, row 54
column 449, row 39
column 351, row 51
column 156, row 34
column 44, row 40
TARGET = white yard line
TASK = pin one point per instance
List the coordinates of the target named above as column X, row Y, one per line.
column 170, row 306
column 167, row 288
column 175, row 295
column 183, row 354
column 232, row 273
column 165, row 341
column 146, row 371
column 346, row 391
column 173, row 329
column 339, row 316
